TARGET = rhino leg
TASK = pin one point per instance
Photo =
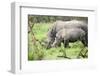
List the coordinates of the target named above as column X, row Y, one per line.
column 56, row 43
column 84, row 41
column 66, row 43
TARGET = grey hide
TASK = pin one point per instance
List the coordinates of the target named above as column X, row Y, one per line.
column 58, row 25
column 69, row 35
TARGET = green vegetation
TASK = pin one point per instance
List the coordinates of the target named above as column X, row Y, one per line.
column 38, row 52
column 47, row 19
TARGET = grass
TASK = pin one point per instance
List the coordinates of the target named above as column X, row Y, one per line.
column 38, row 52
column 40, row 30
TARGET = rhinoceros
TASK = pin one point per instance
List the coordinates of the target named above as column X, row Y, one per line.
column 58, row 25
column 69, row 35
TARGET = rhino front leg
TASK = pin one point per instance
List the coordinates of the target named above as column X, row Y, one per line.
column 66, row 43
column 56, row 43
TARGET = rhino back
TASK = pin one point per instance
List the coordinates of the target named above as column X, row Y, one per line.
column 70, row 24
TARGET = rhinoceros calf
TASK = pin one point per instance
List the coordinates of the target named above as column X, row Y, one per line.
column 69, row 35
column 58, row 25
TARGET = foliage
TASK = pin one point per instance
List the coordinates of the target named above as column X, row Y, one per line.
column 49, row 19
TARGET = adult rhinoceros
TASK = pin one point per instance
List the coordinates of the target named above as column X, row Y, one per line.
column 58, row 25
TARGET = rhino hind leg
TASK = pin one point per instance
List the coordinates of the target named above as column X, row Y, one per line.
column 84, row 41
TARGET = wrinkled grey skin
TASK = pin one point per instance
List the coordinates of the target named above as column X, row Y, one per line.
column 69, row 35
column 58, row 25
